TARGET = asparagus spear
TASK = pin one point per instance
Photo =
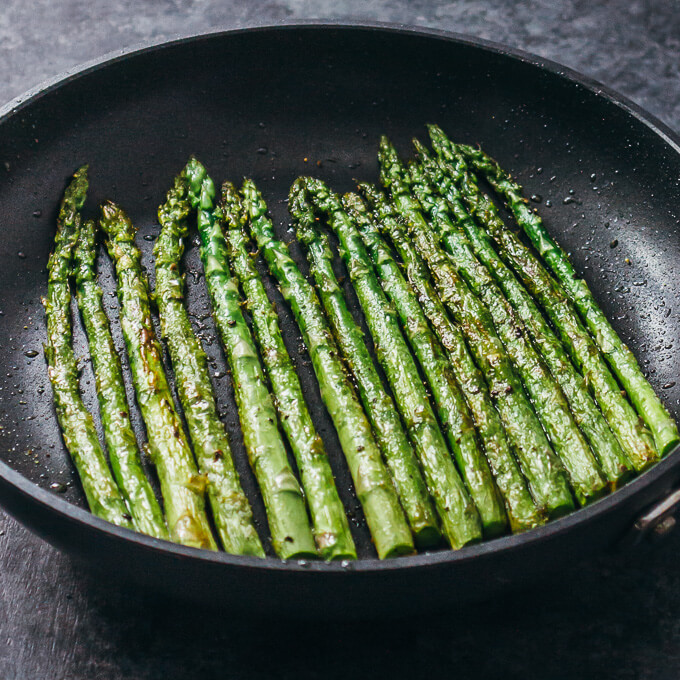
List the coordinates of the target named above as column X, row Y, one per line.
column 540, row 465
column 372, row 482
column 522, row 511
column 181, row 486
column 460, row 520
column 549, row 401
column 331, row 528
column 230, row 508
column 611, row 457
column 281, row 492
column 622, row 419
column 147, row 515
column 77, row 426
column 453, row 411
column 390, row 436
column 620, row 358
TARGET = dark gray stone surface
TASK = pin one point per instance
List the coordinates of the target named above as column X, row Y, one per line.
column 622, row 617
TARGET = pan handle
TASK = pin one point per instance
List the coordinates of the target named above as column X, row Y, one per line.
column 656, row 522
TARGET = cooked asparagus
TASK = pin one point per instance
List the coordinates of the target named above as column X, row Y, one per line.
column 372, row 483
column 453, row 411
column 544, row 471
column 623, row 421
column 77, row 425
column 613, row 461
column 281, row 492
column 230, row 508
column 522, row 511
column 331, row 529
column 460, row 520
column 397, row 451
column 124, row 457
column 181, row 486
column 498, row 392
column 620, row 358
column 549, row 401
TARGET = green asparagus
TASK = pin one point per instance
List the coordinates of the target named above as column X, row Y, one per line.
column 126, row 463
column 390, row 436
column 544, row 471
column 452, row 408
column 77, row 425
column 372, row 482
column 606, row 448
column 460, row 520
column 181, row 486
column 549, row 402
column 231, row 510
column 522, row 511
column 331, row 529
column 281, row 492
column 624, row 422
column 620, row 358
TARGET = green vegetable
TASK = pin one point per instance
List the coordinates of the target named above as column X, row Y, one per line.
column 454, row 415
column 372, row 482
column 623, row 421
column 77, row 426
column 181, row 485
column 331, row 529
column 231, row 510
column 521, row 509
column 544, row 471
column 281, row 492
column 606, row 448
column 147, row 515
column 460, row 520
column 620, row 358
column 390, row 436
column 549, row 401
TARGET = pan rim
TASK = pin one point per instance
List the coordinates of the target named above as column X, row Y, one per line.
column 72, row 513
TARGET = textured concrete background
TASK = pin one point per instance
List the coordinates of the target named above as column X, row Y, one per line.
column 621, row 620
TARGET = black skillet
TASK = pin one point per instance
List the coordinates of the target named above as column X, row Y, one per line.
column 272, row 103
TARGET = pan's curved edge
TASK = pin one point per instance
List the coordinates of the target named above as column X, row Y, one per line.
column 67, row 511
column 658, row 126
column 72, row 513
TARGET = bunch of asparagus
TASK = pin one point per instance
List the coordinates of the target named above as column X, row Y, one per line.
column 487, row 399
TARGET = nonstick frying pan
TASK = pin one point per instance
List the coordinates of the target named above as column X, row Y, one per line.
column 274, row 103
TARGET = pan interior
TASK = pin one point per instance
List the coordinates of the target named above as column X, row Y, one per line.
column 272, row 105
